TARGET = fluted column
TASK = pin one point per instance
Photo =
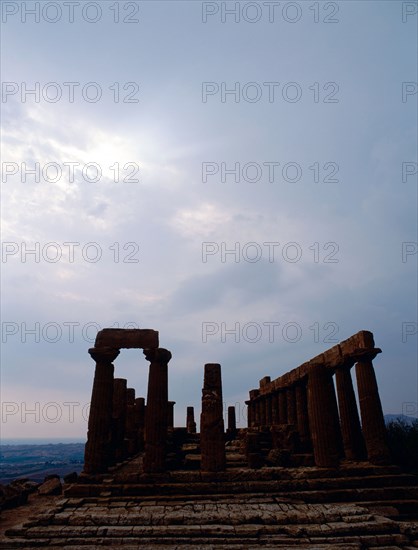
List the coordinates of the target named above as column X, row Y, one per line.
column 212, row 436
column 157, row 405
column 252, row 412
column 282, row 403
column 170, row 412
column 118, row 418
column 130, row 431
column 302, row 417
column 269, row 409
column 373, row 423
column 98, row 452
column 274, row 409
column 190, row 421
column 291, row 405
column 321, row 417
column 232, row 421
column 354, row 447
column 139, row 422
column 263, row 412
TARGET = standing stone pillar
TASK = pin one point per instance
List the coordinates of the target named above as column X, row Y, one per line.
column 140, row 422
column 354, row 447
column 373, row 423
column 212, row 437
column 98, row 452
column 250, row 419
column 157, row 405
column 232, row 421
column 321, row 395
column 118, row 418
column 291, row 405
column 263, row 415
column 274, row 409
column 255, row 414
column 170, row 414
column 130, row 431
column 190, row 421
column 302, row 417
column 282, row 403
column 269, row 409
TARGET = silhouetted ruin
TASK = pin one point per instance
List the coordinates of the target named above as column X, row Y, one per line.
column 310, row 470
column 298, row 413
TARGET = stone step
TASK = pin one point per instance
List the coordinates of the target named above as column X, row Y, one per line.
column 312, row 488
column 380, row 526
column 185, row 513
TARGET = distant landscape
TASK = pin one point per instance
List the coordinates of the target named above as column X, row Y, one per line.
column 35, row 461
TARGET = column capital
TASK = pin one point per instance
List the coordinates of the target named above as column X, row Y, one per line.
column 157, row 355
column 366, row 355
column 104, row 354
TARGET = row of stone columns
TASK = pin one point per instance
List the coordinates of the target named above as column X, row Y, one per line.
column 120, row 424
column 332, row 429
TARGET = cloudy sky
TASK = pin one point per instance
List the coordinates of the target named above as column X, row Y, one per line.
column 240, row 177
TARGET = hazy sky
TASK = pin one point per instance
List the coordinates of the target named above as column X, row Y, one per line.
column 123, row 124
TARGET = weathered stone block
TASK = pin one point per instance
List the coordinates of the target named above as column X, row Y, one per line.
column 127, row 338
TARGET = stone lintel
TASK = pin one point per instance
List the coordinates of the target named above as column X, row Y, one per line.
column 127, row 338
column 358, row 347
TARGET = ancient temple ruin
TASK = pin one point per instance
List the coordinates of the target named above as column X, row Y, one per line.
column 298, row 419
column 309, row 471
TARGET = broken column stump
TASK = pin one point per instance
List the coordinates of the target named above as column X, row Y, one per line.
column 212, row 436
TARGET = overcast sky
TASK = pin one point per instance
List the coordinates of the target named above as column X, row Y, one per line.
column 122, row 126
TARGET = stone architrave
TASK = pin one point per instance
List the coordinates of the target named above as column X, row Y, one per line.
column 98, row 452
column 190, row 421
column 118, row 338
column 322, row 423
column 118, row 418
column 373, row 423
column 157, row 407
column 212, row 434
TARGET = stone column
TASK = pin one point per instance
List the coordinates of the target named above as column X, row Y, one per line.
column 157, row 405
column 98, row 452
column 170, row 416
column 354, row 447
column 263, row 416
column 302, row 417
column 291, row 405
column 130, row 431
column 190, row 421
column 282, row 403
column 269, row 409
column 322, row 423
column 274, row 409
column 232, row 422
column 118, row 418
column 373, row 423
column 212, row 436
column 140, row 422
column 250, row 419
column 253, row 417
